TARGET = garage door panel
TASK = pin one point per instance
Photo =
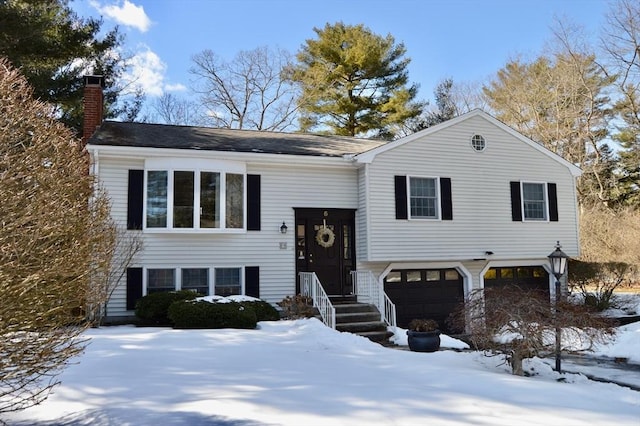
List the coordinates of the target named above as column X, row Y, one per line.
column 525, row 277
column 435, row 296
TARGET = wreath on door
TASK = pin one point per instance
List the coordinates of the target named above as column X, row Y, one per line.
column 325, row 237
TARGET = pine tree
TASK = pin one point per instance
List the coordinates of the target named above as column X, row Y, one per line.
column 54, row 48
column 621, row 44
column 354, row 83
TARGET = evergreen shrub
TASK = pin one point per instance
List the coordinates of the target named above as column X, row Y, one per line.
column 153, row 308
column 264, row 310
column 203, row 314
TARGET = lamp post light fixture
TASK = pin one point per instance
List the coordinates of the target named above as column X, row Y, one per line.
column 283, row 228
column 558, row 260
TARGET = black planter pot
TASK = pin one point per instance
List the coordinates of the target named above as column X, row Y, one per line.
column 424, row 341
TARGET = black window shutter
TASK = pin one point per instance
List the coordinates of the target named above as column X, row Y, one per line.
column 446, row 204
column 252, row 281
column 134, row 287
column 516, row 202
column 401, row 197
column 253, row 202
column 134, row 199
column 552, row 193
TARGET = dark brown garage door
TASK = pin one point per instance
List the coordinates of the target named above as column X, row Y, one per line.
column 424, row 293
column 525, row 277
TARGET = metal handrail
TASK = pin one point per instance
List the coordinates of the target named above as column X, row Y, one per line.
column 368, row 289
column 310, row 286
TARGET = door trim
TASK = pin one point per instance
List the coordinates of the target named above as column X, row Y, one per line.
column 346, row 253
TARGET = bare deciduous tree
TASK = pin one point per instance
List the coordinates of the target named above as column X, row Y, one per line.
column 518, row 323
column 120, row 249
column 51, row 225
column 560, row 100
column 172, row 110
column 250, row 92
column 611, row 235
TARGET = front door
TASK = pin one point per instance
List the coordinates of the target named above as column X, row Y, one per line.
column 324, row 245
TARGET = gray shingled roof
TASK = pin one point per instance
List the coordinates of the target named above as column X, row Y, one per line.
column 204, row 138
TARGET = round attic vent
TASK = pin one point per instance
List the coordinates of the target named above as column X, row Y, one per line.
column 478, row 143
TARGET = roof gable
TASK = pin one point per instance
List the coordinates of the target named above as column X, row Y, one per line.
column 369, row 156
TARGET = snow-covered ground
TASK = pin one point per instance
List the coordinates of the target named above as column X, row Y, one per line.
column 304, row 374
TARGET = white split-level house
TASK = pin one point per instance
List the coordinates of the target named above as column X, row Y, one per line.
column 469, row 203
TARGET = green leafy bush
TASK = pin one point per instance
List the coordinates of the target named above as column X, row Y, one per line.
column 264, row 310
column 202, row 314
column 153, row 308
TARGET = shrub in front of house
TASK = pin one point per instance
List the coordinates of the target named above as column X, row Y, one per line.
column 153, row 308
column 203, row 314
column 296, row 307
column 264, row 310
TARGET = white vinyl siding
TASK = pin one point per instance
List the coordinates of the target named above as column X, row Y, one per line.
column 482, row 214
column 481, row 198
column 283, row 187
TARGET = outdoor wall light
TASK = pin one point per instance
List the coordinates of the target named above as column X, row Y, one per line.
column 283, row 228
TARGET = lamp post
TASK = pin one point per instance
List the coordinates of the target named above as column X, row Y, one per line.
column 558, row 260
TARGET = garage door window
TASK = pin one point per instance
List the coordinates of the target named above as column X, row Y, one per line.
column 414, row 276
column 433, row 275
column 451, row 275
column 393, row 277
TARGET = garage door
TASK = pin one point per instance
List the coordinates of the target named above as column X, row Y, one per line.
column 424, row 293
column 525, row 277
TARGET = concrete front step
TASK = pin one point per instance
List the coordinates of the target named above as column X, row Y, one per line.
column 359, row 327
column 357, row 317
column 355, row 307
column 362, row 319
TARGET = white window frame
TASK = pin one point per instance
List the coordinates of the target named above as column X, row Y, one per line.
column 545, row 196
column 474, row 146
column 145, row 278
column 179, row 276
column 438, row 215
column 241, row 271
column 197, row 167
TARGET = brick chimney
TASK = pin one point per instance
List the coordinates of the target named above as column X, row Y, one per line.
column 93, row 105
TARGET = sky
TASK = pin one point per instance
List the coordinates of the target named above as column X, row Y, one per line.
column 303, row 373
column 466, row 40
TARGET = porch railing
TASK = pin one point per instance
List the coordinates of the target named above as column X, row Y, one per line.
column 369, row 290
column 310, row 286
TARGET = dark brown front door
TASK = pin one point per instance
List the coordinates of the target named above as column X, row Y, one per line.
column 324, row 245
